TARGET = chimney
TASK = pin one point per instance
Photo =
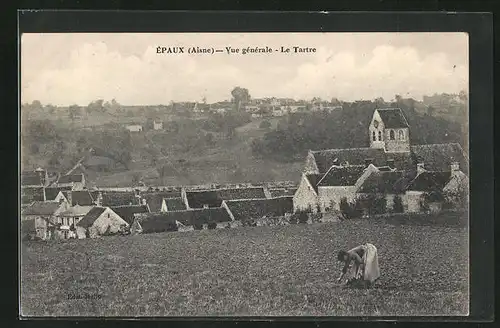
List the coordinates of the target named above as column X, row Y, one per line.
column 98, row 201
column 420, row 168
column 144, row 201
column 390, row 163
column 70, row 198
column 368, row 161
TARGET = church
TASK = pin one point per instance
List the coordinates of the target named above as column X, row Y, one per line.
column 332, row 174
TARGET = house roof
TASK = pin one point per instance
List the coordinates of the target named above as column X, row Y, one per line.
column 313, row 180
column 429, row 181
column 51, row 192
column 437, row 157
column 119, row 198
column 214, row 198
column 31, row 194
column 30, row 178
column 154, row 199
column 279, row 192
column 161, row 221
column 127, row 212
column 393, row 118
column 175, row 204
column 41, row 208
column 69, row 178
column 385, row 182
column 76, row 210
column 89, row 219
column 81, row 197
column 341, row 176
column 258, row 208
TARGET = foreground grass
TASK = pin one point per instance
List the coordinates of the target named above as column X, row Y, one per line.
column 261, row 271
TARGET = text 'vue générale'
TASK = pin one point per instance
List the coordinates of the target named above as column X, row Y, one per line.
column 228, row 50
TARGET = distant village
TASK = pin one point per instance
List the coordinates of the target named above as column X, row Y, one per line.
column 391, row 175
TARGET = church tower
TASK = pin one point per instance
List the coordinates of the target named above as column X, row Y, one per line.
column 389, row 130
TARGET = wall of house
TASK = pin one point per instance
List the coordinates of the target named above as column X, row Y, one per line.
column 81, row 232
column 397, row 145
column 310, row 166
column 107, row 218
column 389, row 199
column 330, row 197
column 305, row 197
column 411, row 201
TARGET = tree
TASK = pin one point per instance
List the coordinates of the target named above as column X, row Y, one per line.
column 36, row 105
column 431, row 110
column 50, row 108
column 240, row 96
column 74, row 111
column 463, row 96
column 136, row 178
column 96, row 106
column 398, row 205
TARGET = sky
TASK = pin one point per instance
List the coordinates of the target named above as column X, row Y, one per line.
column 77, row 68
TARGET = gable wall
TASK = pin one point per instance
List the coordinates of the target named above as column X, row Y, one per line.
column 305, row 196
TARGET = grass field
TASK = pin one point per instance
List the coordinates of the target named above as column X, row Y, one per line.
column 259, row 271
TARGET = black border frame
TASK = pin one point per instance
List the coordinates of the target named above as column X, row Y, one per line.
column 479, row 26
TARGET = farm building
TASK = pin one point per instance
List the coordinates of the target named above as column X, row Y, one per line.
column 134, row 127
column 80, row 197
column 100, row 221
column 386, row 184
column 42, row 217
column 214, row 198
column 180, row 220
column 158, row 125
column 67, row 220
column 428, row 190
column 154, row 199
column 117, row 198
column 172, row 204
column 51, row 193
column 245, row 209
column 75, row 181
column 32, row 194
column 37, row 178
column 127, row 212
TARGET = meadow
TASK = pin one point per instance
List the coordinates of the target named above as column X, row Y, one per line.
column 252, row 271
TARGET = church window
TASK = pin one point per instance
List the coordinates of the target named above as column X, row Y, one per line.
column 401, row 135
column 391, row 134
column 380, row 136
column 373, row 136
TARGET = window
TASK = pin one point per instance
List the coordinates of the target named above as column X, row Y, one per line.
column 391, row 135
column 380, row 136
column 401, row 135
column 373, row 136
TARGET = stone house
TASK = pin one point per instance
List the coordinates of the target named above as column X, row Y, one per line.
column 246, row 209
column 42, row 217
column 134, row 127
column 100, row 221
column 386, row 184
column 68, row 219
column 213, row 198
column 75, row 181
column 158, row 124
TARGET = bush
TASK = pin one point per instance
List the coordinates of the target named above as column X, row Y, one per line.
column 303, row 217
column 198, row 226
column 348, row 210
column 398, row 205
column 372, row 204
column 212, row 225
column 265, row 124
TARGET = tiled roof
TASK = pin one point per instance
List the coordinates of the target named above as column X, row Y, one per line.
column 385, row 182
column 89, row 219
column 430, row 181
column 175, row 204
column 214, row 198
column 282, row 192
column 119, row 198
column 70, row 178
column 31, row 194
column 51, row 192
column 437, row 157
column 127, row 212
column 81, row 197
column 159, row 222
column 41, row 208
column 258, row 208
column 29, row 178
column 76, row 210
column 341, row 176
column 393, row 118
column 154, row 199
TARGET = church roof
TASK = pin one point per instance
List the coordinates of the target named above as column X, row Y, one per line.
column 393, row 118
column 436, row 157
